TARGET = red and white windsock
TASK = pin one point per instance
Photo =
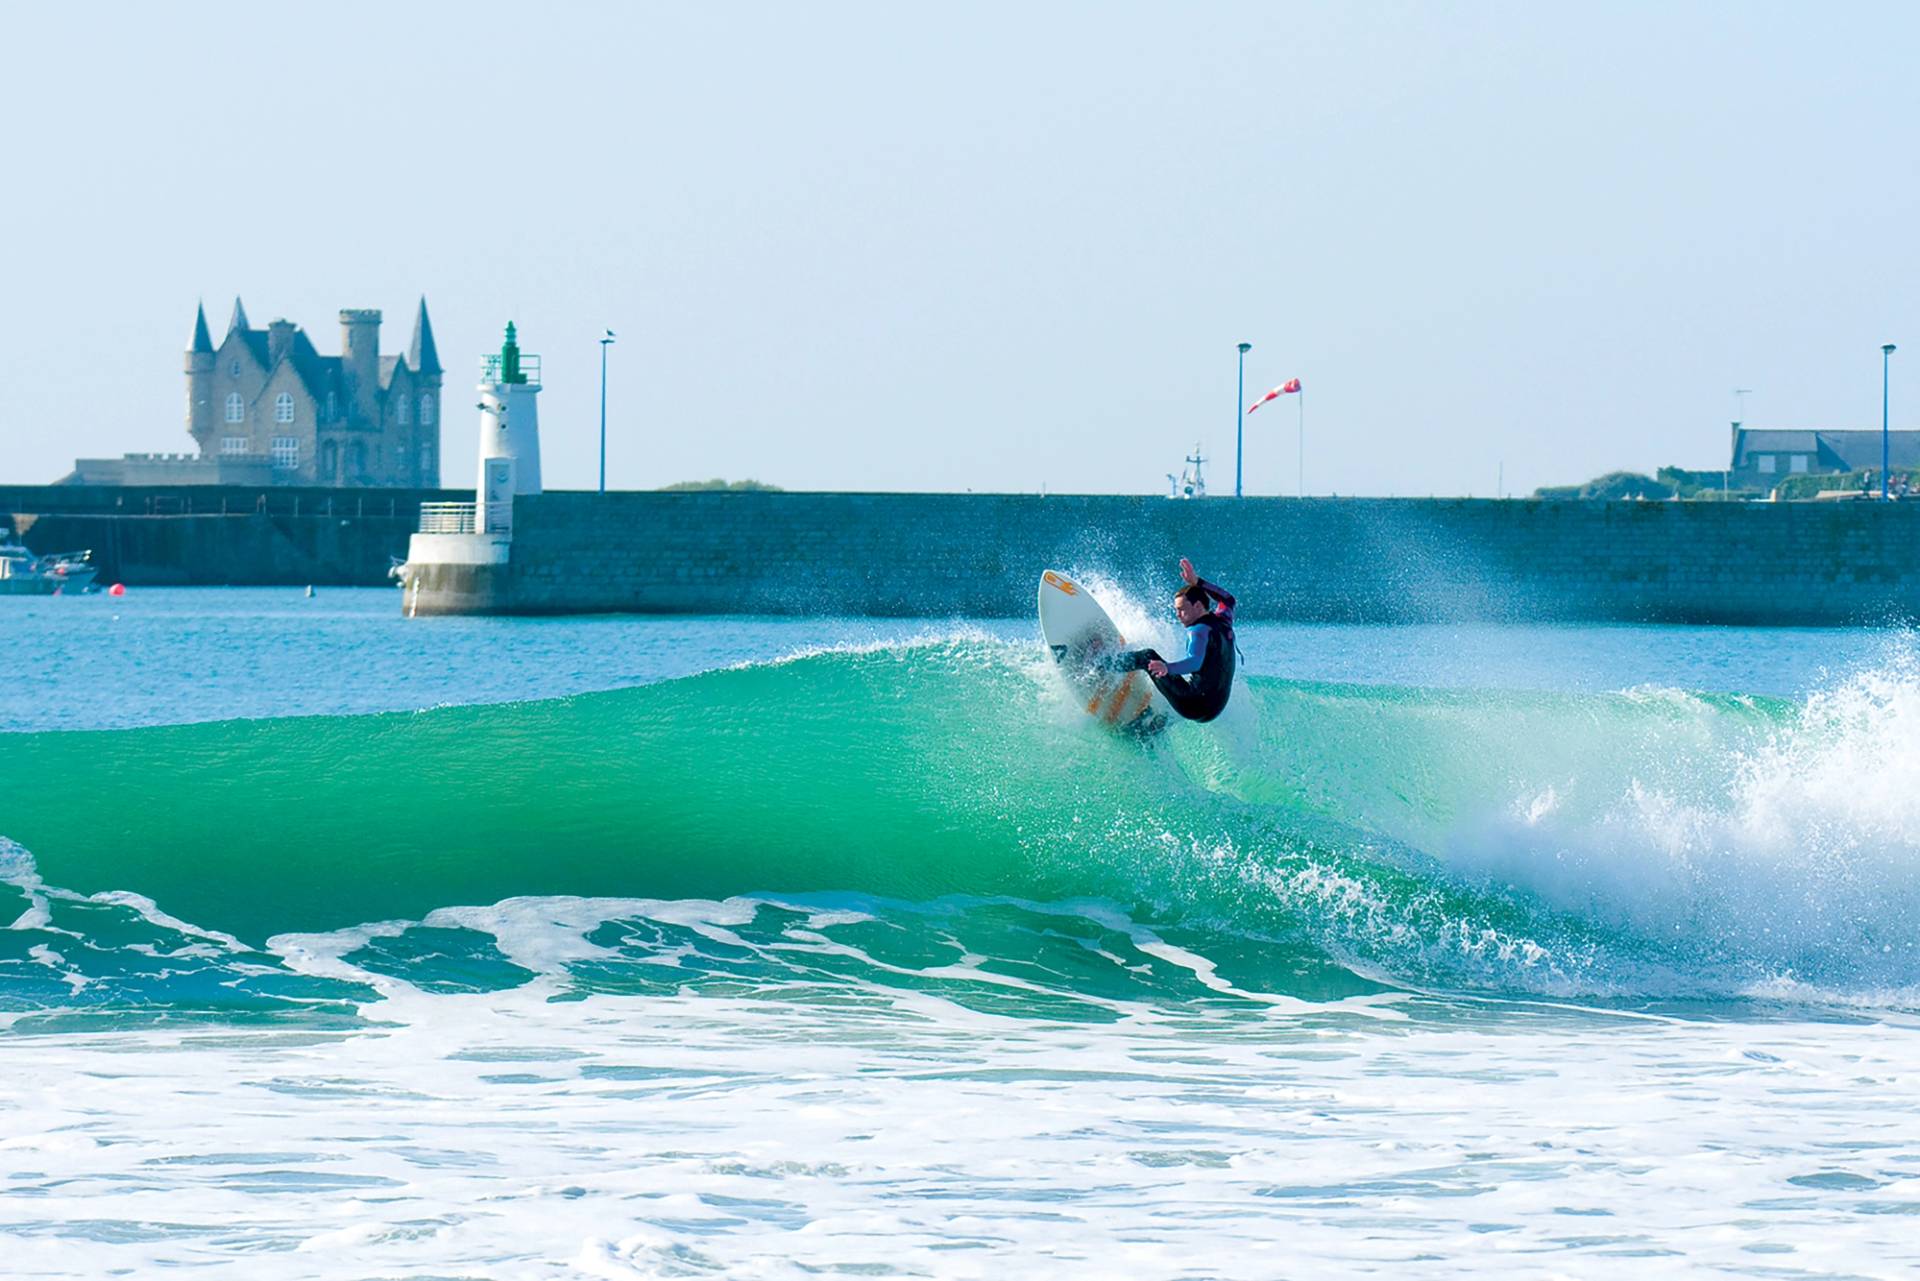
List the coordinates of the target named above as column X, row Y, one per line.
column 1286, row 388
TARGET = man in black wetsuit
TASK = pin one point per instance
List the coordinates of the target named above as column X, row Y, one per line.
column 1198, row 685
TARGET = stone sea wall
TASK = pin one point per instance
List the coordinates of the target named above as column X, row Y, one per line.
column 208, row 535
column 1376, row 560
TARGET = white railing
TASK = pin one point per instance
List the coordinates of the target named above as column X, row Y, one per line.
column 447, row 518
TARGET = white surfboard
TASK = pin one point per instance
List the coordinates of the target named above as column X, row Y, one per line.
column 1078, row 633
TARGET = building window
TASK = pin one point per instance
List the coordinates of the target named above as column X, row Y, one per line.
column 236, row 408
column 1798, row 463
column 426, row 409
column 1766, row 463
column 233, row 444
column 426, row 460
column 286, row 452
column 332, row 411
column 283, row 407
column 400, row 412
column 233, row 369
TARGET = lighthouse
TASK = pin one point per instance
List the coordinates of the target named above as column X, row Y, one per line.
column 509, row 435
column 460, row 560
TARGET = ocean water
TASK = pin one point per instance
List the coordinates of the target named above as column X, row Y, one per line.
column 343, row 946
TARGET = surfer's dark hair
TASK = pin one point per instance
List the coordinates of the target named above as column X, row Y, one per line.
column 1196, row 595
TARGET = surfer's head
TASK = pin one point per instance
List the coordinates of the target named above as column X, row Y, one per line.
column 1192, row 605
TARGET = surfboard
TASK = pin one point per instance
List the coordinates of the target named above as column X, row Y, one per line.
column 1078, row 634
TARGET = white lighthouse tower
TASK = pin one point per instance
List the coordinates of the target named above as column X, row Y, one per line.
column 458, row 562
column 509, row 435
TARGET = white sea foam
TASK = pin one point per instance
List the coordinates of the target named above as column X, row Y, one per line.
column 1797, row 857
column 508, row 1136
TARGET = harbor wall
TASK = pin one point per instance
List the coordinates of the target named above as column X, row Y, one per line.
column 1374, row 560
column 208, row 535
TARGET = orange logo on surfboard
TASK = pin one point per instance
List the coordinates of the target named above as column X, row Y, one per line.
column 1054, row 580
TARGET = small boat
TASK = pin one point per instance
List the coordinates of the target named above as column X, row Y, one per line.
column 1189, row 483
column 57, row 573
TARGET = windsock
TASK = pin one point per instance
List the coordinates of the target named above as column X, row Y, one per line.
column 1286, row 388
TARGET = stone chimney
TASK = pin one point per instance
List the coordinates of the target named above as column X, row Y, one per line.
column 279, row 338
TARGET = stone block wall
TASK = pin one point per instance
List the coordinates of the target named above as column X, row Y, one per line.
column 1382, row 560
column 221, row 535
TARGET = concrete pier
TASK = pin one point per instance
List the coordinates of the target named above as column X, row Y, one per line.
column 1361, row 560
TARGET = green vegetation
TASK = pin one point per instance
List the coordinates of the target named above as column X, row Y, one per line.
column 732, row 487
column 1803, row 487
column 1672, row 482
column 1613, row 485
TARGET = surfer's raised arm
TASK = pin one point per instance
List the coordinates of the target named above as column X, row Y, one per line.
column 1220, row 598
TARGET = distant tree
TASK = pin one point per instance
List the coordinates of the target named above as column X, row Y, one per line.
column 703, row 486
column 1614, row 485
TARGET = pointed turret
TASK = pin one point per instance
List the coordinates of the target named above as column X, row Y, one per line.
column 239, row 320
column 422, row 356
column 202, row 340
column 199, row 369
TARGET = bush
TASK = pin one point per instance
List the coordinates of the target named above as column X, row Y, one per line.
column 736, row 487
column 1803, row 487
column 1612, row 486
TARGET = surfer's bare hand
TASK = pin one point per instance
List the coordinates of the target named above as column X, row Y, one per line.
column 1186, row 572
column 1156, row 668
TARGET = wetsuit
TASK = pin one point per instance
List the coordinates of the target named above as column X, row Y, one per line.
column 1198, row 685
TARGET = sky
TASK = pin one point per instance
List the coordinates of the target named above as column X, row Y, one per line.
column 988, row 247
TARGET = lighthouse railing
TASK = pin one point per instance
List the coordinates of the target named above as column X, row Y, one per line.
column 492, row 369
column 447, row 518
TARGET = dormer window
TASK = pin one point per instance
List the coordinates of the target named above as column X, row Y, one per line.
column 236, row 409
column 283, row 407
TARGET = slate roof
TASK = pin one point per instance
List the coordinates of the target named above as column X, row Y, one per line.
column 319, row 373
column 423, row 356
column 1845, row 450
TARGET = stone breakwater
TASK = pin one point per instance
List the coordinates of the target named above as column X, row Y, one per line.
column 222, row 535
column 1359, row 560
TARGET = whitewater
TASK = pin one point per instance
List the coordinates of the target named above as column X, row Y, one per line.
column 341, row 947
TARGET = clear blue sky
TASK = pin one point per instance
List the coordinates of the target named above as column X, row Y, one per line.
column 979, row 246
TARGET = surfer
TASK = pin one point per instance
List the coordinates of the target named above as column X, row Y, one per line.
column 1198, row 685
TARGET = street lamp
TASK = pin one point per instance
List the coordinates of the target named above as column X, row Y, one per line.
column 1886, row 350
column 604, row 344
column 1239, row 418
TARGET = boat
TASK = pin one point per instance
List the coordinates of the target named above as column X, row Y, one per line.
column 55, row 574
column 1189, row 483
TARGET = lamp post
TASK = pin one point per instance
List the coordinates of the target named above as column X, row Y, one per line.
column 1239, row 416
column 604, row 344
column 1886, row 352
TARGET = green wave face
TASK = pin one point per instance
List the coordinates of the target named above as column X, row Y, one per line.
column 1487, row 840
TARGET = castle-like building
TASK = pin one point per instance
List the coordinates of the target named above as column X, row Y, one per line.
column 358, row 418
column 266, row 408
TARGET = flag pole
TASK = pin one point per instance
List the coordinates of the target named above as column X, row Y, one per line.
column 1302, row 474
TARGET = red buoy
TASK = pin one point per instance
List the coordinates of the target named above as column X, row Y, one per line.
column 118, row 589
